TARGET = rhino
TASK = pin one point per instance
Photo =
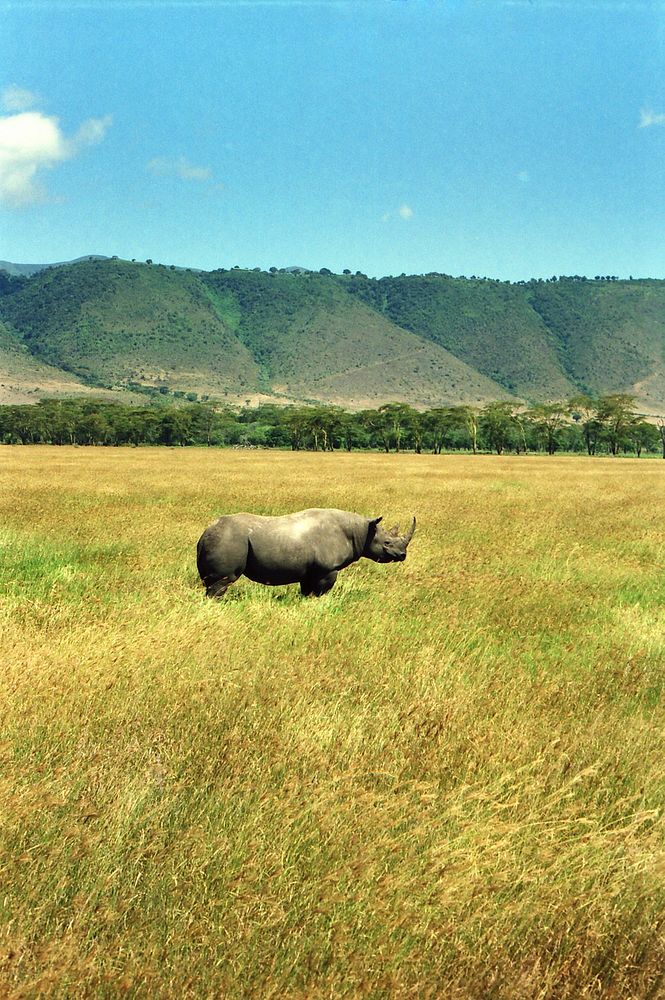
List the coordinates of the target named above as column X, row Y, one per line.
column 309, row 547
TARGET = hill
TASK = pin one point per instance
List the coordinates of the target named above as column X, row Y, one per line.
column 611, row 335
column 115, row 324
column 311, row 339
column 299, row 335
column 27, row 270
column 488, row 324
column 26, row 379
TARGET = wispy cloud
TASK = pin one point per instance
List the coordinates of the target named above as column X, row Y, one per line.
column 163, row 166
column 404, row 212
column 15, row 98
column 91, row 132
column 523, row 176
column 649, row 118
column 31, row 142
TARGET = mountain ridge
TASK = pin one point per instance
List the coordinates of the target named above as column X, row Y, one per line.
column 100, row 323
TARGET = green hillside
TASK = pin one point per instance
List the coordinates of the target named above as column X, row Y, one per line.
column 24, row 378
column 428, row 340
column 311, row 339
column 611, row 334
column 488, row 324
column 113, row 323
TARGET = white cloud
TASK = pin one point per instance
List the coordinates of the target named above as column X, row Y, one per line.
column 163, row 166
column 31, row 142
column 28, row 142
column 15, row 98
column 648, row 118
column 523, row 176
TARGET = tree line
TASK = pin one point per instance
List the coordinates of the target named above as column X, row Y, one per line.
column 608, row 425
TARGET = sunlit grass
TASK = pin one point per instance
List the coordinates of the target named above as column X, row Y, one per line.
column 444, row 778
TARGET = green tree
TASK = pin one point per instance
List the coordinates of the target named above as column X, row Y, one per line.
column 468, row 417
column 176, row 427
column 584, row 411
column 378, row 425
column 295, row 419
column 323, row 423
column 397, row 418
column 643, row 436
column 660, row 424
column 496, row 421
column 616, row 415
column 548, row 420
column 438, row 423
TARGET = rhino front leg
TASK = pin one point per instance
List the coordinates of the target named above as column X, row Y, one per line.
column 319, row 585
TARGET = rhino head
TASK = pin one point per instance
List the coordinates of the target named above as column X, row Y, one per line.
column 387, row 546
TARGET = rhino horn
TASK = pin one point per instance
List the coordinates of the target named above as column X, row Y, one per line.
column 409, row 535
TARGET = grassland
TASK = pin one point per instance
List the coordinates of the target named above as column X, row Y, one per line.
column 443, row 779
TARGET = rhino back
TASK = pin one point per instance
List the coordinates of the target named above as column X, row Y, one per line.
column 286, row 549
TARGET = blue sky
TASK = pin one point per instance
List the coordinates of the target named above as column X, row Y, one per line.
column 505, row 138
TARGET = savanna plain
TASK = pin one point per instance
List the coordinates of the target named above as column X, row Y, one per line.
column 445, row 778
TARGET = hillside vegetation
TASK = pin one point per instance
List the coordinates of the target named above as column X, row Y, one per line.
column 312, row 339
column 427, row 340
column 114, row 323
column 488, row 324
column 25, row 378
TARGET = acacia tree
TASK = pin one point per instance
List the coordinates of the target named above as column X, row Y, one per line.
column 438, row 423
column 377, row 424
column 468, row 417
column 643, row 436
column 417, row 430
column 616, row 414
column 548, row 419
column 397, row 418
column 497, row 423
column 212, row 422
column 584, row 411
column 660, row 424
column 350, row 429
column 296, row 422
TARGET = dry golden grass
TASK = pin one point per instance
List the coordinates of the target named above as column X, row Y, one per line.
column 443, row 779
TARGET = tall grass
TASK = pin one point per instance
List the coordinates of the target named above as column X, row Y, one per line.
column 445, row 778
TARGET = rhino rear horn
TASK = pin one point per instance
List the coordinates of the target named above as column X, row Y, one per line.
column 409, row 535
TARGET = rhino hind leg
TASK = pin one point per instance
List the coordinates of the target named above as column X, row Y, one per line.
column 318, row 586
column 217, row 588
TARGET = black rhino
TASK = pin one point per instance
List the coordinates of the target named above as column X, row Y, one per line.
column 309, row 547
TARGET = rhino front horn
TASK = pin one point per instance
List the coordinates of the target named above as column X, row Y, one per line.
column 409, row 535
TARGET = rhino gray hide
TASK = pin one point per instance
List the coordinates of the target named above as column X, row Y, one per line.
column 309, row 548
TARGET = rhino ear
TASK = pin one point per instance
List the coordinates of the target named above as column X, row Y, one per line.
column 375, row 520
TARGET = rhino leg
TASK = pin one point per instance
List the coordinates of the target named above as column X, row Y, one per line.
column 219, row 587
column 221, row 557
column 318, row 586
